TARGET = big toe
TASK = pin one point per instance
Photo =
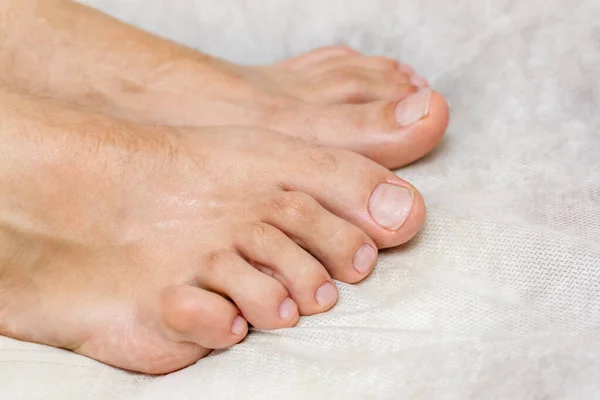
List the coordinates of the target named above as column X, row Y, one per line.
column 386, row 208
column 392, row 133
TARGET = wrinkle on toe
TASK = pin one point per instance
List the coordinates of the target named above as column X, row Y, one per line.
column 324, row 160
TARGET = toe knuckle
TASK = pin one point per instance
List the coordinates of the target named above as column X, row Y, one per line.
column 258, row 231
column 215, row 260
column 323, row 159
column 294, row 205
column 262, row 235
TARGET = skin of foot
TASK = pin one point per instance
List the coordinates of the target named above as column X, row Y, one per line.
column 332, row 96
column 146, row 247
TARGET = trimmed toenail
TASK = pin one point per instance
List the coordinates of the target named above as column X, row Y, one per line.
column 390, row 205
column 419, row 81
column 287, row 309
column 414, row 108
column 326, row 295
column 239, row 325
column 364, row 258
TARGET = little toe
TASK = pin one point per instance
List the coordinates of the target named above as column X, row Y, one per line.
column 263, row 300
column 202, row 317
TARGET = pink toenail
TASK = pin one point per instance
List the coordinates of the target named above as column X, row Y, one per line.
column 364, row 258
column 414, row 108
column 390, row 205
column 287, row 309
column 419, row 81
column 326, row 295
column 239, row 325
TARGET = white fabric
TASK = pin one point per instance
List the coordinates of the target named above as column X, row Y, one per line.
column 499, row 297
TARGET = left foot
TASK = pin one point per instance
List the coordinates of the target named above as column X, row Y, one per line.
column 333, row 96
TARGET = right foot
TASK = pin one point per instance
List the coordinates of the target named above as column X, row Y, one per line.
column 145, row 248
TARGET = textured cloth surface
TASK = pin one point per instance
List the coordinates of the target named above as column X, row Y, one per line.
column 499, row 296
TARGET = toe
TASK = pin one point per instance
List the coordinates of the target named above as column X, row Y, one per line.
column 317, row 56
column 375, row 63
column 347, row 253
column 422, row 121
column 407, row 69
column 392, row 133
column 359, row 85
column 419, row 81
column 385, row 207
column 202, row 317
column 262, row 299
column 274, row 253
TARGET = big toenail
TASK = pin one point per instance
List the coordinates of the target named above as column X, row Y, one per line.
column 414, row 108
column 287, row 309
column 390, row 205
column 364, row 258
column 238, row 326
column 419, row 81
column 326, row 294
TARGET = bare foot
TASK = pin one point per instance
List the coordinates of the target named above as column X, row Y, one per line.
column 147, row 247
column 332, row 96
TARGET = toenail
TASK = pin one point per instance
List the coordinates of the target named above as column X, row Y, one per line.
column 414, row 108
column 287, row 309
column 239, row 325
column 419, row 81
column 364, row 258
column 326, row 295
column 390, row 205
